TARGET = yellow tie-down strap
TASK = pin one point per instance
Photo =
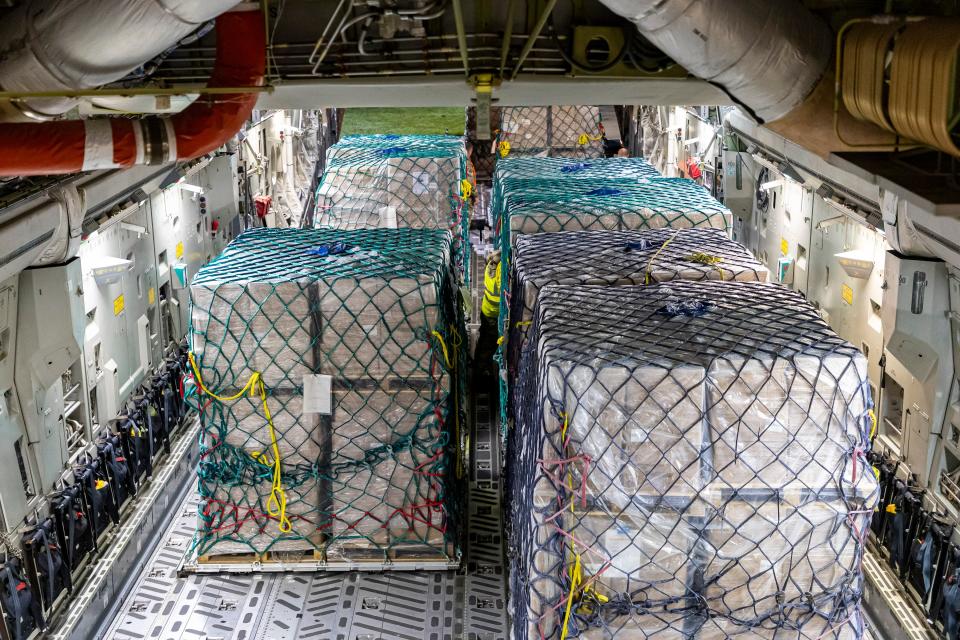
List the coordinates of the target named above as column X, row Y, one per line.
column 277, row 502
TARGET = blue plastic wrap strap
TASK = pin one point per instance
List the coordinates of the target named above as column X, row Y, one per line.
column 605, row 191
column 329, row 249
column 641, row 245
column 575, row 167
column 392, row 151
column 687, row 308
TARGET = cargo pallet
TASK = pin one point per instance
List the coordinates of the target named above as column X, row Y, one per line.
column 401, row 559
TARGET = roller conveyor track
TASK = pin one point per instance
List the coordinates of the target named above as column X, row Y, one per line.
column 428, row 605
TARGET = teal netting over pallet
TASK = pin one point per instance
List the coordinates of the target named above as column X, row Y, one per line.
column 688, row 461
column 385, row 140
column 384, row 181
column 332, row 403
column 660, row 202
column 525, row 174
column 563, row 131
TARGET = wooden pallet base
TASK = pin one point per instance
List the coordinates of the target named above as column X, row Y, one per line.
column 271, row 557
column 402, row 554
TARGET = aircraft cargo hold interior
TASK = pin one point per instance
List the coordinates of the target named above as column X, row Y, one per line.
column 464, row 320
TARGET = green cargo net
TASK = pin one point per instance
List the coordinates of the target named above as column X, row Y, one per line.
column 332, row 405
column 660, row 202
column 563, row 131
column 688, row 461
column 382, row 140
column 384, row 181
column 519, row 175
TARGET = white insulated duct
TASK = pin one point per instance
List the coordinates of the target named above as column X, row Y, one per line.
column 768, row 55
column 60, row 45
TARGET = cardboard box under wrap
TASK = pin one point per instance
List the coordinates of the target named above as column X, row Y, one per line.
column 781, row 421
column 389, row 506
column 525, row 128
column 365, row 421
column 240, row 328
column 690, row 439
column 390, row 192
column 553, row 130
column 346, row 327
column 374, row 327
column 245, row 426
column 760, row 552
column 642, row 429
column 238, row 517
column 849, row 625
column 670, row 626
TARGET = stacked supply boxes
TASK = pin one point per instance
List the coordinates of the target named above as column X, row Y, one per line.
column 330, row 403
column 613, row 194
column 618, row 258
column 662, row 202
column 391, row 182
column 394, row 181
column 688, row 461
column 522, row 174
column 562, row 131
column 687, row 452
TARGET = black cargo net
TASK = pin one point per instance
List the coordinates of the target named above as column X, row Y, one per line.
column 617, row 258
column 688, row 461
column 557, row 205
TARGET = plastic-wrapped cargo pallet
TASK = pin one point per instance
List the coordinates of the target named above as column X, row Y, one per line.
column 523, row 174
column 557, row 205
column 564, row 131
column 688, row 462
column 394, row 181
column 617, row 258
column 663, row 202
column 331, row 404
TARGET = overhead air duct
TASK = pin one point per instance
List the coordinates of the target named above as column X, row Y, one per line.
column 63, row 45
column 772, row 58
column 81, row 145
column 768, row 56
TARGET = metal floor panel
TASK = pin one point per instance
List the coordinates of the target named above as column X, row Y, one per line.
column 322, row 606
column 468, row 604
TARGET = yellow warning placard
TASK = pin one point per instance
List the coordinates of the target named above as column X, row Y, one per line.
column 151, row 295
column 784, row 247
column 847, row 294
column 118, row 305
column 179, row 251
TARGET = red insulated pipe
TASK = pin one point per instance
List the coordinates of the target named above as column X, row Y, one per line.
column 69, row 146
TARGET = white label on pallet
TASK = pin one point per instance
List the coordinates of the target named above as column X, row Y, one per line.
column 388, row 217
column 317, row 394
